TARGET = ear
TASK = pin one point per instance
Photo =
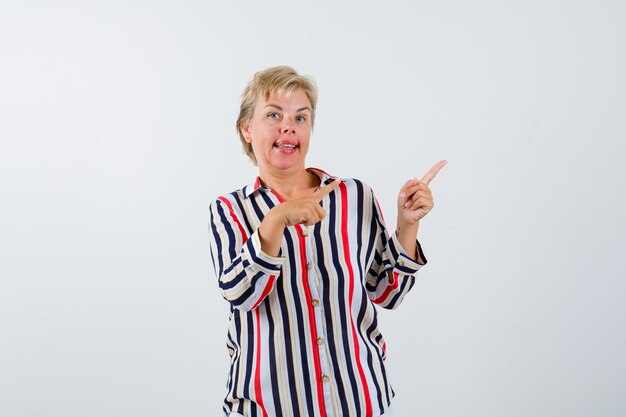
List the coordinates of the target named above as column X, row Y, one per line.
column 244, row 128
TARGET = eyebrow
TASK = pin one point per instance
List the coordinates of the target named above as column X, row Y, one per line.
column 280, row 108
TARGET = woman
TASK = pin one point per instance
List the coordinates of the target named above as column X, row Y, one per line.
column 303, row 257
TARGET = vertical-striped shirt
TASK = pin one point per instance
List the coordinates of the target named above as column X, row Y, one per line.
column 303, row 334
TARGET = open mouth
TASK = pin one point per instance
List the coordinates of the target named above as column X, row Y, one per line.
column 285, row 146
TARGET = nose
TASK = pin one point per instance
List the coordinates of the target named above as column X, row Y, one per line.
column 287, row 126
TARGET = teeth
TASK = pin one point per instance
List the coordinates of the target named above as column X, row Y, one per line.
column 285, row 146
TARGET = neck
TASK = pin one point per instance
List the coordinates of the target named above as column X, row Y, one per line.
column 289, row 184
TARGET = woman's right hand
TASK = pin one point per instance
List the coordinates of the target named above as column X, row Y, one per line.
column 304, row 210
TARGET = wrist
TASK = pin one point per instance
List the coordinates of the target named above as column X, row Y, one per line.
column 271, row 232
column 403, row 224
column 274, row 219
column 406, row 234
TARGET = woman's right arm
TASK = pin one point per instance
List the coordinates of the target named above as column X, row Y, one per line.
column 246, row 274
column 247, row 266
column 305, row 210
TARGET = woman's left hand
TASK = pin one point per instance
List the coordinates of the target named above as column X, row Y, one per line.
column 415, row 199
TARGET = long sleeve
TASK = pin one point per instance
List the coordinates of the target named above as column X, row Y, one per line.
column 392, row 273
column 246, row 275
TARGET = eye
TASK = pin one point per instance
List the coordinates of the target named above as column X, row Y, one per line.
column 273, row 115
column 301, row 118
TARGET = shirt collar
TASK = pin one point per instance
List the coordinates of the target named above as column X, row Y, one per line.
column 257, row 186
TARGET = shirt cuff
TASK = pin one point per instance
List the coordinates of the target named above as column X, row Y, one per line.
column 401, row 261
column 259, row 259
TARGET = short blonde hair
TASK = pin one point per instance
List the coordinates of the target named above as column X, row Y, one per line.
column 263, row 84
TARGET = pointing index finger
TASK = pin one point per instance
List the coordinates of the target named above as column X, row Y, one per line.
column 428, row 177
column 323, row 192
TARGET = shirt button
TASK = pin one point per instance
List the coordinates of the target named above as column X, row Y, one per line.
column 315, row 302
column 325, row 378
column 320, row 341
column 309, row 265
column 401, row 262
column 305, row 232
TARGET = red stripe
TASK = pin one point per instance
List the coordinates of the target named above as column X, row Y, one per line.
column 232, row 214
column 257, row 372
column 389, row 288
column 244, row 235
column 311, row 312
column 266, row 291
column 346, row 252
column 309, row 298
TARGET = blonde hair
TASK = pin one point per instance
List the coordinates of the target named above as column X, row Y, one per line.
column 263, row 84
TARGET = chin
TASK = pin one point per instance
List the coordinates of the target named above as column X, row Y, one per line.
column 284, row 165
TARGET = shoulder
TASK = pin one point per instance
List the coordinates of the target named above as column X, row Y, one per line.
column 229, row 201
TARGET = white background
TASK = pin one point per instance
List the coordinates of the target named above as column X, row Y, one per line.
column 117, row 130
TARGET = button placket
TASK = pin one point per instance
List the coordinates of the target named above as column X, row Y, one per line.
column 320, row 342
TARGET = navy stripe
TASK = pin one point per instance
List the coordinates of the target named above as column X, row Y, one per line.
column 257, row 210
column 232, row 266
column 370, row 361
column 364, row 300
column 273, row 368
column 332, row 347
column 217, row 240
column 256, row 259
column 399, row 294
column 236, row 197
column 291, row 377
column 237, row 362
column 248, row 386
column 343, row 298
column 247, row 293
column 229, row 231
column 302, row 330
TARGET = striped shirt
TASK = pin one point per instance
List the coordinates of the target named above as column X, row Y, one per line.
column 303, row 334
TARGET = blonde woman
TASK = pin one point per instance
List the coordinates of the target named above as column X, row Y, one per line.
column 304, row 258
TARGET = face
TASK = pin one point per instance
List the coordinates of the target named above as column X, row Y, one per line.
column 280, row 130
